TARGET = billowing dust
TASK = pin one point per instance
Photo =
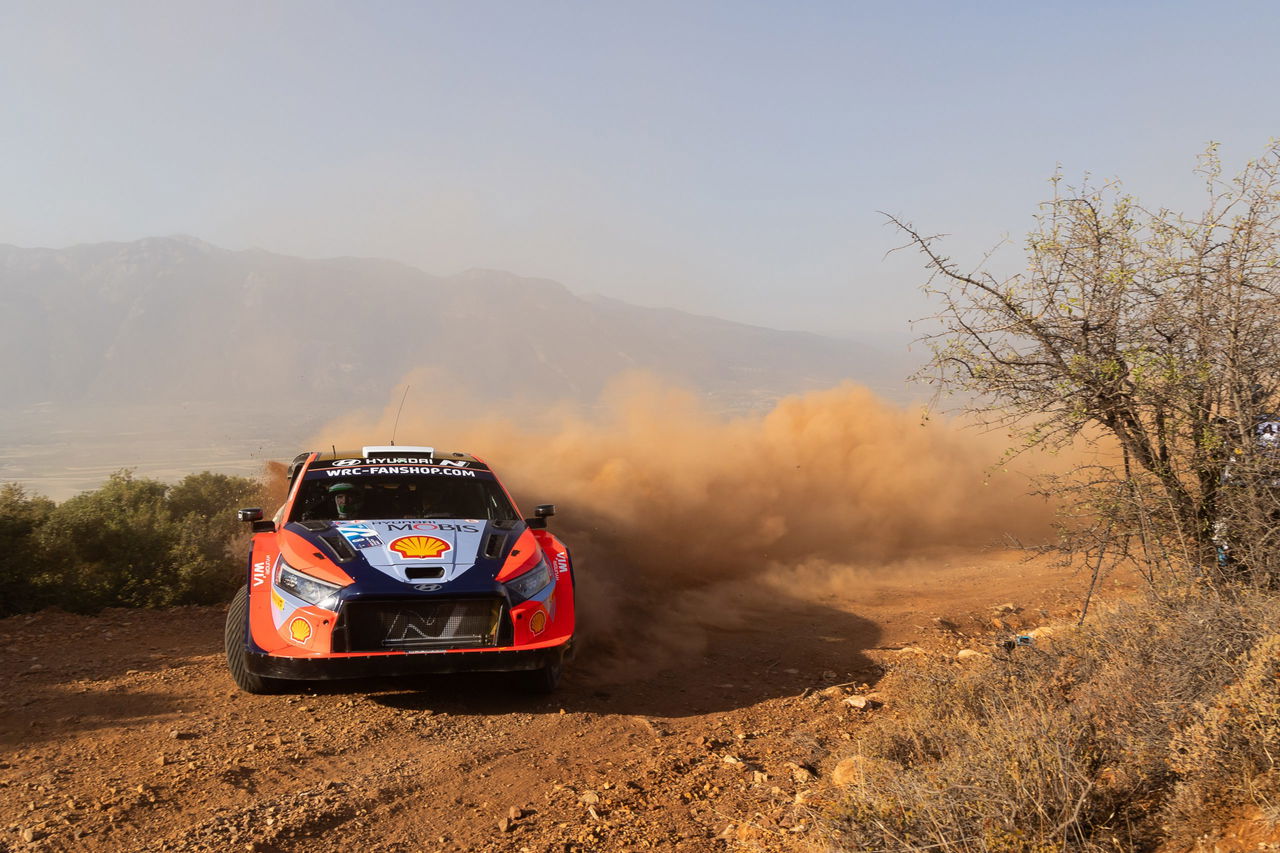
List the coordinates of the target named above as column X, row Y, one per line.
column 680, row 521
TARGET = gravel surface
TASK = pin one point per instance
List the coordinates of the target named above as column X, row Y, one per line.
column 123, row 731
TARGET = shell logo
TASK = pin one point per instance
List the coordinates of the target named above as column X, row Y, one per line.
column 300, row 630
column 420, row 547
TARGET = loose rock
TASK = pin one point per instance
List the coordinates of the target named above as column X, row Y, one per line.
column 854, row 769
column 848, row 771
column 800, row 773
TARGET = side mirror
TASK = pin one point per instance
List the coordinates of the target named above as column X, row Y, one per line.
column 254, row 514
column 540, row 515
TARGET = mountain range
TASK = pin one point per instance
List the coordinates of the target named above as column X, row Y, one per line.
column 174, row 319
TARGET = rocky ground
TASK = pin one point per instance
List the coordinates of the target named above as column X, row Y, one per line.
column 124, row 732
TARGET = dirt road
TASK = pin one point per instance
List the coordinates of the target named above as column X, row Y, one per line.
column 124, row 732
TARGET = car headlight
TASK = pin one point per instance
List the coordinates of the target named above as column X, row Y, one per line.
column 309, row 589
column 530, row 583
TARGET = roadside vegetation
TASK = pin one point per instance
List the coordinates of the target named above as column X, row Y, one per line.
column 134, row 542
column 1153, row 724
column 1148, row 342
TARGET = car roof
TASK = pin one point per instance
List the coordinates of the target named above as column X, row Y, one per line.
column 358, row 453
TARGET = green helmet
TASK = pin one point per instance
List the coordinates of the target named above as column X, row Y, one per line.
column 346, row 499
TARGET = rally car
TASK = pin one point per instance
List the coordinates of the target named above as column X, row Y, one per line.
column 399, row 560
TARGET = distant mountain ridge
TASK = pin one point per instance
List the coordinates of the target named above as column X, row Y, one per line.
column 177, row 319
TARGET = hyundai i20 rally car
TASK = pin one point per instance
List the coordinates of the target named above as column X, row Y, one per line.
column 399, row 560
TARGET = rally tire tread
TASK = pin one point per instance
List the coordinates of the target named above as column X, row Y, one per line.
column 543, row 680
column 237, row 655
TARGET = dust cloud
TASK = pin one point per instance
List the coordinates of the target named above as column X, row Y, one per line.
column 674, row 515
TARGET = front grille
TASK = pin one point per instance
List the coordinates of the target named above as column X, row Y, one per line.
column 446, row 623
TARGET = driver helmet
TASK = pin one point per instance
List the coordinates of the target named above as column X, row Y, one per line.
column 345, row 498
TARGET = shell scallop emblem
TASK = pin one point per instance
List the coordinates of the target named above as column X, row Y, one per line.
column 300, row 630
column 420, row 547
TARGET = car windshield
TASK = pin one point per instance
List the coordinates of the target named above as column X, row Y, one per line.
column 402, row 497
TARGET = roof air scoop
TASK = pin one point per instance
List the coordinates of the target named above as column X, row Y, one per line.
column 396, row 450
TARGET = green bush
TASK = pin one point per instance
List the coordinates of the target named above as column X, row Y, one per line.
column 21, row 565
column 134, row 542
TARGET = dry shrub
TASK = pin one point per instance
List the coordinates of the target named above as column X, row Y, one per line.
column 1064, row 745
column 1228, row 756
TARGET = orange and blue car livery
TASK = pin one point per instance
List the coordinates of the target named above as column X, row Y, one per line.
column 394, row 561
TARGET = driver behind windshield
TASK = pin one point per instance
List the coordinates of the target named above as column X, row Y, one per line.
column 346, row 500
column 396, row 497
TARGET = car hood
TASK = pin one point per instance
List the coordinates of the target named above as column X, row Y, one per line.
column 425, row 551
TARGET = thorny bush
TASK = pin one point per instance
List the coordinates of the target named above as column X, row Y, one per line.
column 1151, row 337
column 1112, row 736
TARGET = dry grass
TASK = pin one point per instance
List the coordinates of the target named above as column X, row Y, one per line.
column 1108, row 738
column 1228, row 756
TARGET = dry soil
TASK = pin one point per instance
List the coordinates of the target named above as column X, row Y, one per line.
column 123, row 731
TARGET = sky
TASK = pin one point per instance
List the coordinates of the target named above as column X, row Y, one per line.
column 731, row 159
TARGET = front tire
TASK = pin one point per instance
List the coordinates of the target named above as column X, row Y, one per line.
column 234, row 636
column 543, row 680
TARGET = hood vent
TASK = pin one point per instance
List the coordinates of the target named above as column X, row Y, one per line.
column 493, row 546
column 422, row 573
column 339, row 545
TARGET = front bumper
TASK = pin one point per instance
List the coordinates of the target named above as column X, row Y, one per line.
column 385, row 665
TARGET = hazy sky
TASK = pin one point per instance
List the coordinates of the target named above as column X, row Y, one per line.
column 725, row 158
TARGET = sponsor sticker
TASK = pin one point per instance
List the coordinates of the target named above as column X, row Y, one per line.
column 261, row 571
column 360, row 536
column 400, row 469
column 538, row 621
column 394, row 460
column 420, row 547
column 432, row 525
column 300, row 630
column 277, row 600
